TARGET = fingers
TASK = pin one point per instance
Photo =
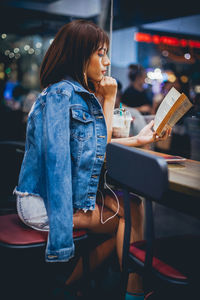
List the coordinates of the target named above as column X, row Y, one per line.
column 156, row 137
column 166, row 134
column 107, row 87
column 107, row 81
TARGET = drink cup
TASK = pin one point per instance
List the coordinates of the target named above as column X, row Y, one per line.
column 121, row 123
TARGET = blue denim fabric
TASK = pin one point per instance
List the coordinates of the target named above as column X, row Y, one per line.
column 65, row 148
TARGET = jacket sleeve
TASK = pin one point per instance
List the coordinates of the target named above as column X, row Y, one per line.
column 58, row 179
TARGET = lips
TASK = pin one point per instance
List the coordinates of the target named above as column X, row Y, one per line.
column 104, row 72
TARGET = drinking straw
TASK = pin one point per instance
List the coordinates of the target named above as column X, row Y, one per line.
column 120, row 106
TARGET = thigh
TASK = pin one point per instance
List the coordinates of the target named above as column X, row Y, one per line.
column 92, row 220
column 105, row 210
column 114, row 202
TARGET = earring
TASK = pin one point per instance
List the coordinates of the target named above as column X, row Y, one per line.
column 85, row 77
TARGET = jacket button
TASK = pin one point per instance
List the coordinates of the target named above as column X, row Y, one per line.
column 94, row 176
column 52, row 256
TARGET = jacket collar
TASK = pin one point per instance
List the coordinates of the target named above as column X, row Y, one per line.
column 77, row 86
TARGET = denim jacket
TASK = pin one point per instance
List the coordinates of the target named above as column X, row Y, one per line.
column 64, row 152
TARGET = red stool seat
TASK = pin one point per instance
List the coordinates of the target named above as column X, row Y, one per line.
column 14, row 232
column 157, row 264
column 23, row 266
column 165, row 249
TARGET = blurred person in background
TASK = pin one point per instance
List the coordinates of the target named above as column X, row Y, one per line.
column 11, row 115
column 196, row 108
column 195, row 97
column 18, row 95
column 138, row 119
column 135, row 95
column 165, row 88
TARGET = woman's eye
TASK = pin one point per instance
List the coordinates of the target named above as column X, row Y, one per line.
column 101, row 54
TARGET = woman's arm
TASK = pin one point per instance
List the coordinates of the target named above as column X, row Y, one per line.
column 107, row 89
column 57, row 180
column 144, row 137
column 108, row 107
column 128, row 141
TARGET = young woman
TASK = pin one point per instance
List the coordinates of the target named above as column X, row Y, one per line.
column 67, row 132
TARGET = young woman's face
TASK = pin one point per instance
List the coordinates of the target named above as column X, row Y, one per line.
column 98, row 64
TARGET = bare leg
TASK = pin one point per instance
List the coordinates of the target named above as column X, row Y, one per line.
column 97, row 256
column 91, row 221
column 137, row 232
column 115, row 227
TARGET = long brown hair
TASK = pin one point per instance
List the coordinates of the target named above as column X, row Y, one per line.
column 70, row 52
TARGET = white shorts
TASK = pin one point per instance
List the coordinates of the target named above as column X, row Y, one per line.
column 32, row 212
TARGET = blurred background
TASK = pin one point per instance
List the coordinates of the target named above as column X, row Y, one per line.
column 162, row 38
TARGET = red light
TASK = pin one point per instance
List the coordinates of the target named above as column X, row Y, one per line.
column 156, row 39
column 183, row 43
column 143, row 37
column 167, row 40
column 194, row 44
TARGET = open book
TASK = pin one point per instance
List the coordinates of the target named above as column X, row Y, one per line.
column 171, row 109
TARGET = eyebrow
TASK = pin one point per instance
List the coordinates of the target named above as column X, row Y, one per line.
column 104, row 49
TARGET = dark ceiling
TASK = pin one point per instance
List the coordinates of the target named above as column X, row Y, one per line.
column 127, row 13
column 23, row 21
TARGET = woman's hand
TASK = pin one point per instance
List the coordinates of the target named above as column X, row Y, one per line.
column 106, row 88
column 147, row 136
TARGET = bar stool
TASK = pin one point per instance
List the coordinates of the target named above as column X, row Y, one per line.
column 24, row 271
column 169, row 265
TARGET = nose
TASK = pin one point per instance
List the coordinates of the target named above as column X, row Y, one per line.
column 106, row 60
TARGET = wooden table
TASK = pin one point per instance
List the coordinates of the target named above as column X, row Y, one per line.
column 184, row 186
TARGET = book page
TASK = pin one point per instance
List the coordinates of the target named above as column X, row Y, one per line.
column 183, row 108
column 166, row 104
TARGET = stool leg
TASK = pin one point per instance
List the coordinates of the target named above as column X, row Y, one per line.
column 86, row 271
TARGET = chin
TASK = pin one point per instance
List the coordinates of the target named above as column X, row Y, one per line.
column 101, row 77
column 97, row 78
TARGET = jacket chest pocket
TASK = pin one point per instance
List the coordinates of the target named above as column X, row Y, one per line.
column 81, row 124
